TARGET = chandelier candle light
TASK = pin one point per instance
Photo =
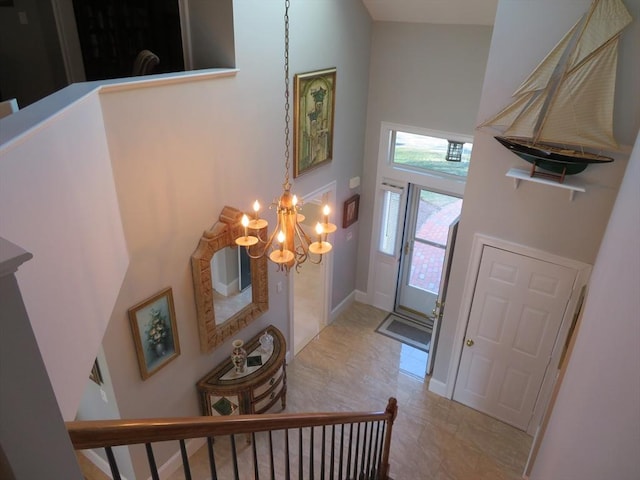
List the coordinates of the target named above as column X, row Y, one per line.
column 294, row 244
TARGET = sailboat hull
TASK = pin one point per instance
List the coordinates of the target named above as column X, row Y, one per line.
column 550, row 158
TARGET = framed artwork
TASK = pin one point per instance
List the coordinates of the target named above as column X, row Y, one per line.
column 314, row 102
column 153, row 323
column 95, row 374
column 350, row 211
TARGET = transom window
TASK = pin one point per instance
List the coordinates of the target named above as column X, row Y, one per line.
column 433, row 154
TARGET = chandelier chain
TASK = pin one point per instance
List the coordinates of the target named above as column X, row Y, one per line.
column 287, row 141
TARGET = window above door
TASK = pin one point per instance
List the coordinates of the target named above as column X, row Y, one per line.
column 433, row 154
column 416, row 155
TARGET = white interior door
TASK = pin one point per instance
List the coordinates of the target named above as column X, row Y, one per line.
column 516, row 312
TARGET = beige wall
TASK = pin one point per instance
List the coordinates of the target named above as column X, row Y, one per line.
column 421, row 75
column 534, row 215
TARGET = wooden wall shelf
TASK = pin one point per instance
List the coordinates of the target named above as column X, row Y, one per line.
column 571, row 184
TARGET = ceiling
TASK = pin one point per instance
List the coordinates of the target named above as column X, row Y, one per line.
column 460, row 12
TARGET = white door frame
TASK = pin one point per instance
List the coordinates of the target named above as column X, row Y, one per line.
column 326, row 271
column 582, row 277
column 397, row 178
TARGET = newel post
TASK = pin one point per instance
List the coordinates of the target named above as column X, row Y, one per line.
column 391, row 412
column 33, row 439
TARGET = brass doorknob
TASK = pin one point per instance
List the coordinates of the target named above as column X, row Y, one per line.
column 469, row 342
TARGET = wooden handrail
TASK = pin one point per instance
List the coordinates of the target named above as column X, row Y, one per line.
column 109, row 433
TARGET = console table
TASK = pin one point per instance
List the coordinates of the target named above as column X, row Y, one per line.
column 223, row 391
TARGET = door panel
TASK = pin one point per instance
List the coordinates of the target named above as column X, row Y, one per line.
column 438, row 311
column 385, row 250
column 518, row 306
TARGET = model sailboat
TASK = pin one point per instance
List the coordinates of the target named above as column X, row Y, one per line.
column 566, row 105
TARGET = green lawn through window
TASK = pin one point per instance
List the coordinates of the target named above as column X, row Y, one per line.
column 429, row 153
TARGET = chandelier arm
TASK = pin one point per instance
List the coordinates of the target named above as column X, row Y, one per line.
column 305, row 241
column 267, row 245
column 300, row 259
column 262, row 251
column 315, row 263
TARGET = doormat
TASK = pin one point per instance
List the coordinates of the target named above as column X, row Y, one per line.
column 406, row 331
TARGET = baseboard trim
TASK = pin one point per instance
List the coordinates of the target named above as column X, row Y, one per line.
column 342, row 306
column 362, row 297
column 438, row 387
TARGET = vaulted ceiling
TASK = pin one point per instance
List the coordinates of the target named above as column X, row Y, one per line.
column 461, row 12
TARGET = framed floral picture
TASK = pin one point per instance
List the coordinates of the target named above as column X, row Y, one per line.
column 153, row 323
column 314, row 102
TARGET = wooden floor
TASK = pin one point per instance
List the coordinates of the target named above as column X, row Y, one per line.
column 350, row 367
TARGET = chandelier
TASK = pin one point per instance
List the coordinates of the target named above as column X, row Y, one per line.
column 292, row 245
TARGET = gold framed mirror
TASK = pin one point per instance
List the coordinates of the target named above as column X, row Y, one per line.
column 226, row 301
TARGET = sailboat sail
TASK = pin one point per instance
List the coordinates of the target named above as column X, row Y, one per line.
column 568, row 99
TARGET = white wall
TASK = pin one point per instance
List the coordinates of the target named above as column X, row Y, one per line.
column 594, row 430
column 421, row 75
column 534, row 215
column 58, row 201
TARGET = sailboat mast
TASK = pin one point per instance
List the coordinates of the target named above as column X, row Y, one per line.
column 560, row 72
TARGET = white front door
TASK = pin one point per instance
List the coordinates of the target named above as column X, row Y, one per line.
column 517, row 309
column 385, row 245
column 438, row 311
column 423, row 257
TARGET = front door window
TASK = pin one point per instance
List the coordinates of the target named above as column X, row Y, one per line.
column 429, row 217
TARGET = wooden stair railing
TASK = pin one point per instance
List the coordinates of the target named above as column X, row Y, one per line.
column 355, row 447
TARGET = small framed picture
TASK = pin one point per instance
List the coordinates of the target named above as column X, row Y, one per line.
column 96, row 374
column 153, row 324
column 350, row 211
column 314, row 102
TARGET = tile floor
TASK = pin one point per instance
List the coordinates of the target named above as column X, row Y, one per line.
column 350, row 367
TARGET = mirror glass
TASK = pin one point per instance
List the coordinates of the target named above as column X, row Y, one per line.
column 231, row 278
column 231, row 289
